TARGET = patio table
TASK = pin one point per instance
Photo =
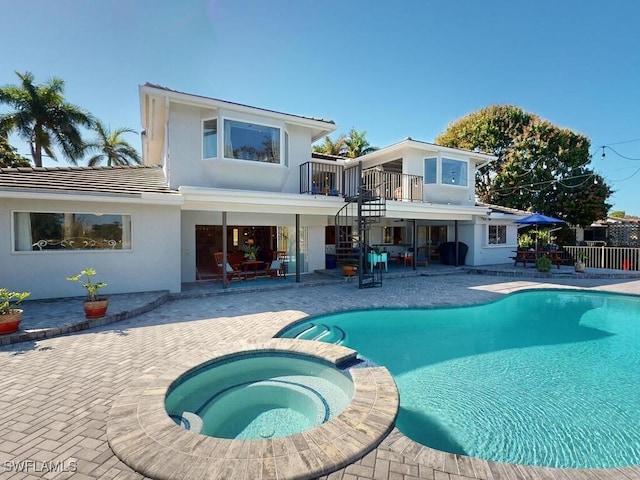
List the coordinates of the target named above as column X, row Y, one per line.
column 251, row 267
column 530, row 256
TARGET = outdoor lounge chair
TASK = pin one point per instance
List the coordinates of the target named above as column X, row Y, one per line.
column 231, row 272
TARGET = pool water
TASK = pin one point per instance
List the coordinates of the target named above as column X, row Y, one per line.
column 258, row 396
column 548, row 378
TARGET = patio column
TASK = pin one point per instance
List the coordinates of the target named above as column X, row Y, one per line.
column 455, row 229
column 224, row 250
column 415, row 243
column 297, row 248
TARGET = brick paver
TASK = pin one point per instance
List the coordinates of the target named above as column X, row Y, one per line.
column 56, row 393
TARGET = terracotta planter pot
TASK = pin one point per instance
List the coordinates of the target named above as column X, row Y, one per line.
column 96, row 309
column 349, row 270
column 10, row 322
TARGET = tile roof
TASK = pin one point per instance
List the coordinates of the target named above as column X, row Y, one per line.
column 160, row 87
column 120, row 180
column 500, row 208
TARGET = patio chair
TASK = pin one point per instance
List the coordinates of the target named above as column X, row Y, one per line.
column 423, row 256
column 231, row 272
column 278, row 267
column 407, row 257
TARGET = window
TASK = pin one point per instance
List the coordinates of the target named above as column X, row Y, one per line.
column 247, row 141
column 497, row 234
column 386, row 234
column 454, row 172
column 71, row 231
column 430, row 166
column 210, row 138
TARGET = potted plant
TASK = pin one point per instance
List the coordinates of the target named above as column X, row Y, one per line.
column 95, row 306
column 581, row 258
column 349, row 267
column 250, row 251
column 10, row 316
column 543, row 263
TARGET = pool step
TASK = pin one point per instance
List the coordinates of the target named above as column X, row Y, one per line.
column 320, row 333
column 311, row 333
column 333, row 335
column 297, row 330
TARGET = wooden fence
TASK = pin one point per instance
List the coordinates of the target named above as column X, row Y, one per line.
column 619, row 258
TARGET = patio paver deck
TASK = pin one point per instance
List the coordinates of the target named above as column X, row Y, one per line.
column 55, row 401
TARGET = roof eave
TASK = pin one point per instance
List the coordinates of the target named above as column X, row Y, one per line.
column 146, row 198
column 478, row 157
column 324, row 127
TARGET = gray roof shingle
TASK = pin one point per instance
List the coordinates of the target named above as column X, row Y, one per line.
column 120, row 180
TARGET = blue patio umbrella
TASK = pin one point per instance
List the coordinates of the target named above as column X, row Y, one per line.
column 538, row 219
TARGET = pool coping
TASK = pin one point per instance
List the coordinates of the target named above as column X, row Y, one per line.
column 141, row 433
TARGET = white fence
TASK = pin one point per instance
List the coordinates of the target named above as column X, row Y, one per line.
column 619, row 258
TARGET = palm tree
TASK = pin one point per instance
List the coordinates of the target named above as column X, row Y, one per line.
column 330, row 147
column 357, row 145
column 111, row 147
column 9, row 157
column 43, row 118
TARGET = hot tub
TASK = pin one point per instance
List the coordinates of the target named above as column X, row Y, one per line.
column 255, row 396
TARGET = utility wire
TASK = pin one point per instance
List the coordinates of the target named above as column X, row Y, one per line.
column 618, row 153
column 625, row 141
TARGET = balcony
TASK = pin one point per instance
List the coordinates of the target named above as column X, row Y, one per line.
column 322, row 178
column 329, row 178
column 393, row 186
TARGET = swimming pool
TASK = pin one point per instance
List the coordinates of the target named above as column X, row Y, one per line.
column 548, row 378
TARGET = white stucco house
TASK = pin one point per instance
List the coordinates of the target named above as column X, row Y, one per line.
column 222, row 175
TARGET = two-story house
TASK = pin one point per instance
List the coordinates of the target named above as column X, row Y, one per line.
column 219, row 175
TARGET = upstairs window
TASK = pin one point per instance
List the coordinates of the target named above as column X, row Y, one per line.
column 430, row 170
column 497, row 234
column 249, row 141
column 454, row 172
column 210, row 138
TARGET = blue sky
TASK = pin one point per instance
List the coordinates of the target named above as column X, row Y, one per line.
column 394, row 69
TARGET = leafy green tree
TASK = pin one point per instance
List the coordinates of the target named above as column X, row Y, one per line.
column 110, row 146
column 356, row 144
column 618, row 214
column 330, row 147
column 9, row 157
column 43, row 118
column 540, row 166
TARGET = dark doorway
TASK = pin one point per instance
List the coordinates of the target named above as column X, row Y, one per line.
column 209, row 241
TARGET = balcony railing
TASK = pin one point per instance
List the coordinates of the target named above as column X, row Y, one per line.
column 393, row 186
column 322, row 178
column 328, row 178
